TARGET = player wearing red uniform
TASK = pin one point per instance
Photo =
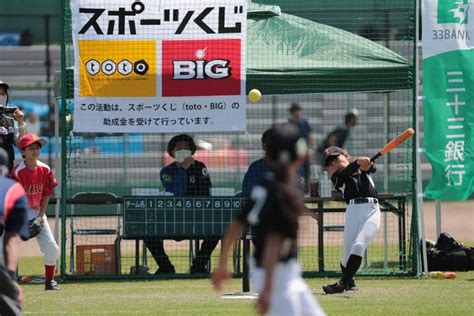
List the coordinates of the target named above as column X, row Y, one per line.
column 39, row 182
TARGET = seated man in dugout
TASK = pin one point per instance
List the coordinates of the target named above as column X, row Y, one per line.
column 184, row 177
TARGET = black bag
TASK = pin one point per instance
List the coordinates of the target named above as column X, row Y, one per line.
column 447, row 243
column 459, row 259
column 449, row 255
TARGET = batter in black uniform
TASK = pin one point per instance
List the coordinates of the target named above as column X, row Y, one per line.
column 184, row 177
column 273, row 208
column 362, row 217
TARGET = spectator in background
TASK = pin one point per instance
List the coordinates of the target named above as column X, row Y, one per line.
column 339, row 135
column 34, row 124
column 259, row 167
column 26, row 38
column 370, row 32
column 14, row 222
column 12, row 124
column 256, row 169
column 184, row 177
column 305, row 132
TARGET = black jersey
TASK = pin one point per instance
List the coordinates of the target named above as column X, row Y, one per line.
column 354, row 183
column 7, row 137
column 263, row 211
column 194, row 181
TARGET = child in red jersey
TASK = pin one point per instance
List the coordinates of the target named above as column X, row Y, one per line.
column 39, row 182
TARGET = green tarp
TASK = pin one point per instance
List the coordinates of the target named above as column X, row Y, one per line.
column 288, row 54
column 373, row 19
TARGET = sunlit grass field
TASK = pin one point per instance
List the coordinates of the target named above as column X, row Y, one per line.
column 377, row 296
column 307, row 255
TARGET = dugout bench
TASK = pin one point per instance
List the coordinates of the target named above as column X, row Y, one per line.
column 191, row 218
column 169, row 217
column 393, row 203
column 178, row 218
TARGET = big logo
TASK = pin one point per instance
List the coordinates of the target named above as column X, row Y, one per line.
column 453, row 11
column 118, row 68
column 201, row 67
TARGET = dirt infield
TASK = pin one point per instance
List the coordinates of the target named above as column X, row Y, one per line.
column 457, row 219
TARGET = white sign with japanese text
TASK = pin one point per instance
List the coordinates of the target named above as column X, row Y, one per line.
column 159, row 66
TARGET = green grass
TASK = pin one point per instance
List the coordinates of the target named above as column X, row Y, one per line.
column 377, row 296
column 387, row 296
column 195, row 297
column 308, row 256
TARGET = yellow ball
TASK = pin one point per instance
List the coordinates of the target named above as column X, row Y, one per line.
column 255, row 95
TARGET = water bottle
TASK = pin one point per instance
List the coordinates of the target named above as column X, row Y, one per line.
column 325, row 185
column 314, row 182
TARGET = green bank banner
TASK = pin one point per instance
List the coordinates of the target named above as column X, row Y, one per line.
column 448, row 89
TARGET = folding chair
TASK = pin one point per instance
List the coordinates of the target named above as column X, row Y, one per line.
column 94, row 200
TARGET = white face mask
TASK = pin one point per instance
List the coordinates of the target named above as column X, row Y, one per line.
column 181, row 155
column 3, row 100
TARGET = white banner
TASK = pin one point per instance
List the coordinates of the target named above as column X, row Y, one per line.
column 159, row 66
column 446, row 26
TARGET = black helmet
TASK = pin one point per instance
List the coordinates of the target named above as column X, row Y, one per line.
column 332, row 153
column 181, row 138
column 285, row 142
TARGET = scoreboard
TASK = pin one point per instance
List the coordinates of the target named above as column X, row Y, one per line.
column 170, row 216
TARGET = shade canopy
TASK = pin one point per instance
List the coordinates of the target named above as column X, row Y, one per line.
column 288, row 54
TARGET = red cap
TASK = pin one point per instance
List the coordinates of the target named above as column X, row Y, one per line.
column 29, row 139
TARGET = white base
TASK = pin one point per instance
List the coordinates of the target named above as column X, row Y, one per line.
column 240, row 295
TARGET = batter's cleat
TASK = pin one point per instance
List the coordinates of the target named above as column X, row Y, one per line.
column 337, row 287
column 198, row 270
column 351, row 286
column 165, row 270
column 51, row 286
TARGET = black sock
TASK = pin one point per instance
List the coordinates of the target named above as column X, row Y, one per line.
column 352, row 266
column 342, row 267
column 351, row 281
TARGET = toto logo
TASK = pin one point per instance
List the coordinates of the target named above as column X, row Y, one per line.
column 123, row 67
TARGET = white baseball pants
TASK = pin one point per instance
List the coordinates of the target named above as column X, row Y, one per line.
column 45, row 240
column 361, row 224
column 290, row 294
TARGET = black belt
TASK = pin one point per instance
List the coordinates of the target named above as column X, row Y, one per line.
column 362, row 200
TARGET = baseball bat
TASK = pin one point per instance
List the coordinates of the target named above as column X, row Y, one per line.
column 394, row 143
